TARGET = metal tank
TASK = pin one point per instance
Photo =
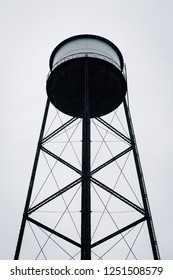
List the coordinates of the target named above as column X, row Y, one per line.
column 86, row 62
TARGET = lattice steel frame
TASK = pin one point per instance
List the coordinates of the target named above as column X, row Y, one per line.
column 86, row 178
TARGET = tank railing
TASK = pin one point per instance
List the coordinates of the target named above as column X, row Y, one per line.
column 86, row 54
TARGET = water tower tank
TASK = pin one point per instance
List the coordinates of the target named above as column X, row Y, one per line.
column 86, row 61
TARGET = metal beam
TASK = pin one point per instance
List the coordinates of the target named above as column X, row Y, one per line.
column 151, row 230
column 119, row 196
column 58, row 130
column 53, row 232
column 118, row 232
column 53, row 196
column 111, row 160
column 61, row 160
column 85, row 199
column 121, row 135
column 19, row 243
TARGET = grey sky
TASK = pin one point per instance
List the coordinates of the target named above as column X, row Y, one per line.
column 30, row 30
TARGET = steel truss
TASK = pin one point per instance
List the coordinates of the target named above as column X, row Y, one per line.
column 86, row 177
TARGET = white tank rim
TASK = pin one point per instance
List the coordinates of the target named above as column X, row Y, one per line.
column 87, row 36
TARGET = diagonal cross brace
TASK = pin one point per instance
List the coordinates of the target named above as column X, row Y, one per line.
column 119, row 196
column 61, row 160
column 58, row 130
column 118, row 232
column 53, row 231
column 121, row 135
column 111, row 160
column 53, row 196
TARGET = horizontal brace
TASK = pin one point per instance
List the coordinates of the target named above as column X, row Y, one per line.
column 53, row 196
column 121, row 135
column 53, row 231
column 118, row 232
column 119, row 196
column 111, row 160
column 58, row 130
column 61, row 160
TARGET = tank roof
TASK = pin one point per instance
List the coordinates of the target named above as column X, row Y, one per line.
column 86, row 36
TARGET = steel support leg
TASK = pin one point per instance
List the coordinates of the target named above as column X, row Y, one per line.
column 86, row 211
column 25, row 214
column 150, row 225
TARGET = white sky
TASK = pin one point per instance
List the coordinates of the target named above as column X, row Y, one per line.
column 142, row 29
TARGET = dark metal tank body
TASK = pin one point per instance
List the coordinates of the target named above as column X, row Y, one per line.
column 103, row 76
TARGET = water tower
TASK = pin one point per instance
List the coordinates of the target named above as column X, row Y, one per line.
column 85, row 205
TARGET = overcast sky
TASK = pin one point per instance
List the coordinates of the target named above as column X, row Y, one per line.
column 142, row 29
